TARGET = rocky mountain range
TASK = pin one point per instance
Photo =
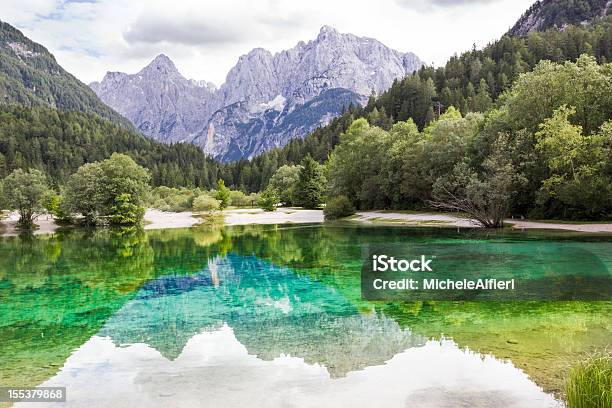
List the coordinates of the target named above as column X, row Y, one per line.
column 266, row 100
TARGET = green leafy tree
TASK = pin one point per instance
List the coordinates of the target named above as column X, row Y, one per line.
column 268, row 199
column 94, row 189
column 85, row 193
column 222, row 194
column 354, row 168
column 484, row 197
column 25, row 191
column 284, row 182
column 311, row 184
column 125, row 211
column 51, row 202
column 579, row 166
column 123, row 175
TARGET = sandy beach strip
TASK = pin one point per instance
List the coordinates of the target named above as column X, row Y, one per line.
column 595, row 227
column 280, row 216
column 419, row 219
column 8, row 226
column 156, row 219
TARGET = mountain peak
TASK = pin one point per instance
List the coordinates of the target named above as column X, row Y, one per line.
column 327, row 31
column 162, row 63
column 266, row 100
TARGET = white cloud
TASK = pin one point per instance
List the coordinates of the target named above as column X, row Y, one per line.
column 428, row 4
column 205, row 39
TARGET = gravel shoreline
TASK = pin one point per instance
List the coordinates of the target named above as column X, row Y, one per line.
column 156, row 219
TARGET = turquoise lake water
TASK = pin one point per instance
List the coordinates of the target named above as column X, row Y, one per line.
column 273, row 316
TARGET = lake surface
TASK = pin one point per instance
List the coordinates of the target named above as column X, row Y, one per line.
column 273, row 316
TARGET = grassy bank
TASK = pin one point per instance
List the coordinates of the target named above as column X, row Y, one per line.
column 589, row 383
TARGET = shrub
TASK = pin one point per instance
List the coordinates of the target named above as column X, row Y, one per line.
column 338, row 207
column 268, row 199
column 222, row 194
column 125, row 211
column 253, row 198
column 172, row 199
column 589, row 383
column 161, row 204
column 205, row 203
column 239, row 199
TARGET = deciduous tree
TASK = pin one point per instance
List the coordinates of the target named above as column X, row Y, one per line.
column 25, row 192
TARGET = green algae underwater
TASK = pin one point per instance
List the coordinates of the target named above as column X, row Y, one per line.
column 284, row 290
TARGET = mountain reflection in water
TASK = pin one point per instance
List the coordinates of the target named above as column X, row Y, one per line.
column 271, row 315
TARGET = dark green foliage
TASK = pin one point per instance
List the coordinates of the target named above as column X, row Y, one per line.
column 338, row 207
column 544, row 152
column 311, row 184
column 536, row 97
column 559, row 13
column 471, row 81
column 485, row 197
column 579, row 167
column 30, row 76
column 58, row 142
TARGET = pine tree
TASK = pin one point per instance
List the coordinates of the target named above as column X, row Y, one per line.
column 311, row 184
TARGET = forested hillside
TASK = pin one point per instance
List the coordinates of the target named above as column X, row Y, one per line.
column 58, row 142
column 30, row 76
column 545, row 14
column 471, row 82
column 544, row 152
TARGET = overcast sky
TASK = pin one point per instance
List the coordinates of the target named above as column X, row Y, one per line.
column 205, row 38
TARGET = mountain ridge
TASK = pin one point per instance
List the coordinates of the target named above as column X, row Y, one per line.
column 267, row 87
column 31, row 76
column 545, row 14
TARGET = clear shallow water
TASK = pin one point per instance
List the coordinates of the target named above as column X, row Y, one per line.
column 273, row 316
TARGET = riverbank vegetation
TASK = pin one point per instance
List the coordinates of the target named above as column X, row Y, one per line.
column 589, row 383
column 545, row 151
